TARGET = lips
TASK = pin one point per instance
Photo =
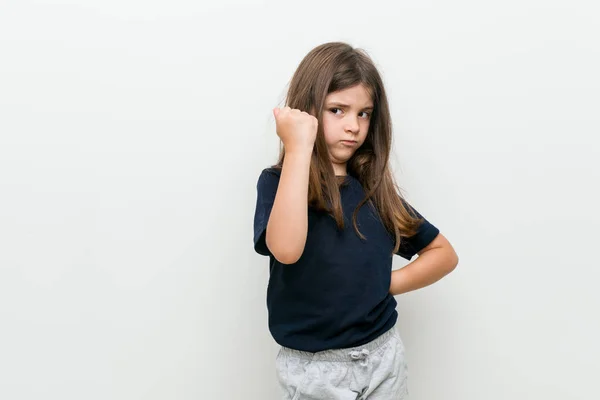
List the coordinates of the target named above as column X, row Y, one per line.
column 349, row 142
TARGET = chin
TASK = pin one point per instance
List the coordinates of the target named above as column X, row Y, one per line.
column 342, row 159
column 342, row 155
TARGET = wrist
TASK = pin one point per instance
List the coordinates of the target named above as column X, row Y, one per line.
column 299, row 153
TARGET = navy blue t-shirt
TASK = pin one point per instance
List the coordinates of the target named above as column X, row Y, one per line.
column 337, row 294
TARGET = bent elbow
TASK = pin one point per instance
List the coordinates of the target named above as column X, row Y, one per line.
column 454, row 263
column 287, row 258
column 285, row 250
column 286, row 255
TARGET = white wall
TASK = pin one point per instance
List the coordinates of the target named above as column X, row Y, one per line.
column 131, row 137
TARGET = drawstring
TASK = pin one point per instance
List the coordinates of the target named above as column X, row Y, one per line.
column 360, row 355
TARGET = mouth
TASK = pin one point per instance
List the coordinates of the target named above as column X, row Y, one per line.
column 349, row 142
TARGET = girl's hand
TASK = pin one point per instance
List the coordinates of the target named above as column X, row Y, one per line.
column 297, row 129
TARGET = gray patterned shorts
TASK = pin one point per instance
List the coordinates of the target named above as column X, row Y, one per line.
column 374, row 371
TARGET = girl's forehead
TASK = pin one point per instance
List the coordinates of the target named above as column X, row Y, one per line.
column 358, row 95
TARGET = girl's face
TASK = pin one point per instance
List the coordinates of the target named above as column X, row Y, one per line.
column 346, row 118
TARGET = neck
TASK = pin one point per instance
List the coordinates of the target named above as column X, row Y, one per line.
column 340, row 169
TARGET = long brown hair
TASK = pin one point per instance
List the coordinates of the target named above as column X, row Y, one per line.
column 336, row 66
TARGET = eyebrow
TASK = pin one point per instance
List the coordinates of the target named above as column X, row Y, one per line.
column 338, row 104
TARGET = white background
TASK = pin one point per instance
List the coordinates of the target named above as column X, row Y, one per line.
column 132, row 134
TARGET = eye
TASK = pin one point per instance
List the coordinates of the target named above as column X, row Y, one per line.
column 367, row 114
column 333, row 110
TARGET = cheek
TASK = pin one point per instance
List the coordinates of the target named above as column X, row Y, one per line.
column 329, row 129
column 364, row 130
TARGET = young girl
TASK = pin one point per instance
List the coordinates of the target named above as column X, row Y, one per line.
column 330, row 218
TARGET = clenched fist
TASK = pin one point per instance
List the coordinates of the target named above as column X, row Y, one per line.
column 297, row 129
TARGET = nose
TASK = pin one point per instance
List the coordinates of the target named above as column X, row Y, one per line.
column 352, row 125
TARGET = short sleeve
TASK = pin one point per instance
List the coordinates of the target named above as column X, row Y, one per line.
column 426, row 232
column 266, row 188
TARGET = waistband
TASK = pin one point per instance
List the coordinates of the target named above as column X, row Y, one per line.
column 345, row 354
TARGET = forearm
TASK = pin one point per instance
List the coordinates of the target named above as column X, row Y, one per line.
column 288, row 223
column 428, row 268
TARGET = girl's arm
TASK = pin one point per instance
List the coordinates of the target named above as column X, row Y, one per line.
column 435, row 261
column 288, row 223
